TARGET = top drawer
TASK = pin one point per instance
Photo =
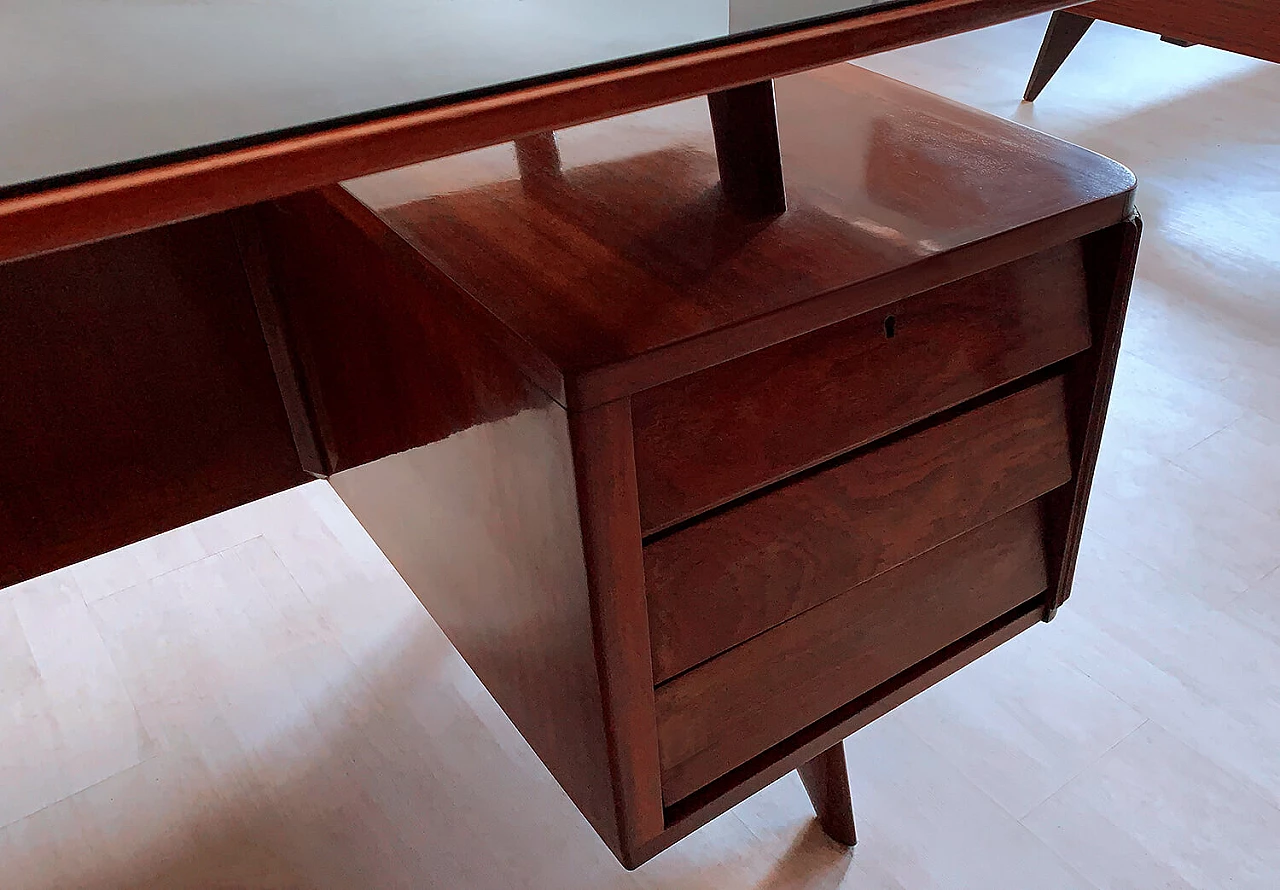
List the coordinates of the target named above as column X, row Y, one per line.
column 710, row 437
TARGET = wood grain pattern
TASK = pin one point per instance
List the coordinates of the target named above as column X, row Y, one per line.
column 826, row 781
column 720, row 715
column 136, row 395
column 737, row 785
column 729, row 577
column 626, row 270
column 439, row 388
column 76, row 214
column 859, row 383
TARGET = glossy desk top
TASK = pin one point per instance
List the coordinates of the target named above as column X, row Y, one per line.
column 96, row 86
column 614, row 254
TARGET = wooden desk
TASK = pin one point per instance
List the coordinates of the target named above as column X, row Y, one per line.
column 1248, row 27
column 176, row 344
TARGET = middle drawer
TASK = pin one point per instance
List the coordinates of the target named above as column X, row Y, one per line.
column 721, row 581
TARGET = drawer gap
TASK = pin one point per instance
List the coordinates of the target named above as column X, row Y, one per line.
column 993, row 395
column 777, row 761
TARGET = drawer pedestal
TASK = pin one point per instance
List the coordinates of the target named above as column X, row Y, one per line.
column 698, row 490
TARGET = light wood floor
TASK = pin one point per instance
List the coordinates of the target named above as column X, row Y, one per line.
column 258, row 701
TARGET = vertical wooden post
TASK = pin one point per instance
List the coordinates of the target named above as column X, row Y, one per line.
column 745, row 123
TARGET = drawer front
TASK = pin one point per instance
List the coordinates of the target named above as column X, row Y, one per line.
column 740, row 572
column 720, row 715
column 708, row 438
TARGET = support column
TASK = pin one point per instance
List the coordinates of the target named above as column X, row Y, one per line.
column 745, row 124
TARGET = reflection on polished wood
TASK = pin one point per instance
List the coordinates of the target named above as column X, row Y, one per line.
column 636, row 216
column 948, row 345
column 484, row 340
column 491, row 355
column 66, row 215
column 315, row 729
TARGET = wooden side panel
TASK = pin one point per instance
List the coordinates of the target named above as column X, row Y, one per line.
column 740, row 572
column 720, row 715
column 136, row 395
column 463, row 472
column 804, row 401
column 1111, row 258
column 1251, row 27
column 360, row 326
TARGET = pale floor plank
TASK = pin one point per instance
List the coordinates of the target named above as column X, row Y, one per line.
column 1020, row 723
column 921, row 825
column 67, row 720
column 258, row 701
column 1154, row 813
column 1242, row 460
column 1202, row 675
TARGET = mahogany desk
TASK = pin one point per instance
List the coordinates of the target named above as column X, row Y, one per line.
column 153, row 369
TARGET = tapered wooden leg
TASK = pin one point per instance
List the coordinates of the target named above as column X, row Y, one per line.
column 745, row 123
column 1066, row 29
column 827, row 781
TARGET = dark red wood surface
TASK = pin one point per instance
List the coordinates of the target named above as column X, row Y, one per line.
column 136, row 395
column 515, row 523
column 63, row 217
column 1114, row 255
column 710, row 437
column 718, row 797
column 721, row 714
column 394, row 426
column 359, row 324
column 609, row 512
column 628, row 270
column 740, row 572
column 1065, row 31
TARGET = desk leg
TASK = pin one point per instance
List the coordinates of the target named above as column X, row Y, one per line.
column 826, row 779
column 1066, row 30
column 745, row 124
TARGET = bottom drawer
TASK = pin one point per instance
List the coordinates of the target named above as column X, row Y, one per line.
column 721, row 714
